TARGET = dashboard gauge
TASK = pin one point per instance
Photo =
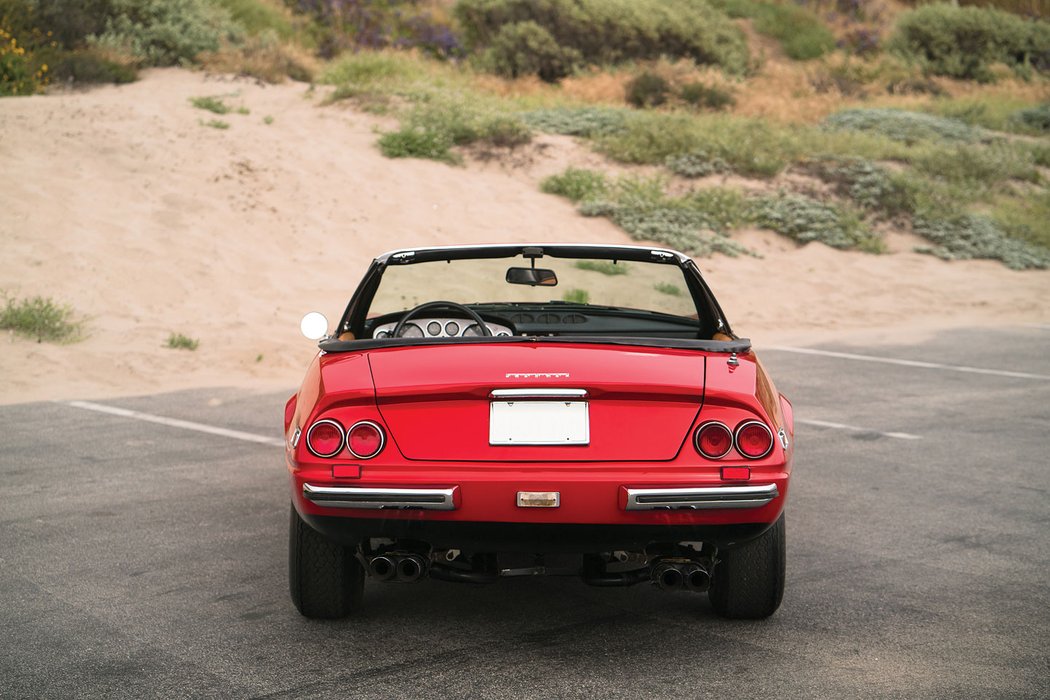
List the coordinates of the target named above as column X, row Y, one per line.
column 433, row 328
column 383, row 334
column 452, row 328
column 411, row 330
column 473, row 331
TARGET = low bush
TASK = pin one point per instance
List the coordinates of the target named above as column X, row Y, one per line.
column 975, row 236
column 377, row 24
column 90, row 66
column 415, row 142
column 20, row 74
column 805, row 220
column 609, row 268
column 178, row 341
column 705, row 96
column 908, row 127
column 575, row 184
column 986, row 166
column 166, row 32
column 669, row 289
column 526, row 48
column 647, row 89
column 964, row 42
column 864, row 183
column 40, row 318
column 1035, row 119
column 1025, row 218
column 800, row 32
column 211, row 104
column 576, row 296
column 577, row 121
column 608, row 31
column 696, row 164
column 265, row 57
column 260, row 17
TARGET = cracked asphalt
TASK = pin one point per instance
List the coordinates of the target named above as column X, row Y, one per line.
column 144, row 560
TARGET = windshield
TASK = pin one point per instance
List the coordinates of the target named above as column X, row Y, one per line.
column 645, row 286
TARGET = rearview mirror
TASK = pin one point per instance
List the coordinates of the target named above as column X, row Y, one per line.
column 533, row 276
column 314, row 325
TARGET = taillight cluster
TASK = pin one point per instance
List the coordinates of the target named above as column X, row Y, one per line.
column 752, row 438
column 364, row 439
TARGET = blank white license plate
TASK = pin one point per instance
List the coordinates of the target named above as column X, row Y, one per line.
column 539, row 423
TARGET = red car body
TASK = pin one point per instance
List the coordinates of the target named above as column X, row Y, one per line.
column 639, row 501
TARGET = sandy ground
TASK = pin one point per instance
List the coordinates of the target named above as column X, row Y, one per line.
column 122, row 203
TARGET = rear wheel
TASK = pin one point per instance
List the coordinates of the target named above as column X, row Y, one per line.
column 325, row 578
column 748, row 581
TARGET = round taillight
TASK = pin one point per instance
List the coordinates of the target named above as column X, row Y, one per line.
column 365, row 439
column 714, row 440
column 754, row 439
column 325, row 438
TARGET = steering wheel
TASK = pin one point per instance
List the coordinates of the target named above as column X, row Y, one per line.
column 412, row 313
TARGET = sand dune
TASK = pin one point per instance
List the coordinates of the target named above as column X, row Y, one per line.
column 122, row 203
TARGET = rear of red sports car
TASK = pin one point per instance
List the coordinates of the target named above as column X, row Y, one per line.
column 494, row 411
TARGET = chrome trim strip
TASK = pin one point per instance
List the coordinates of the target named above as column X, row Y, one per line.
column 382, row 438
column 511, row 394
column 736, row 441
column 380, row 498
column 701, row 498
column 342, row 441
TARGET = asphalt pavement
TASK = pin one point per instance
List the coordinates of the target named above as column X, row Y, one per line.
column 141, row 559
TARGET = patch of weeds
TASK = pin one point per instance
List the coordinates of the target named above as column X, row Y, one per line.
column 413, row 142
column 41, row 318
column 864, row 183
column 976, row 236
column 985, row 166
column 668, row 289
column 178, row 341
column 1035, row 119
column 704, row 96
column 267, row 120
column 726, row 207
column 799, row 31
column 210, row 103
column 576, row 296
column 696, row 164
column 605, row 267
column 243, row 110
column 259, row 357
column 908, row 127
column 577, row 121
column 1025, row 218
column 216, row 124
column 805, row 220
column 575, row 184
column 647, row 89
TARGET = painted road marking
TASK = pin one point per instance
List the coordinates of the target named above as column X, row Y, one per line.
column 855, row 429
column 176, row 423
column 910, row 363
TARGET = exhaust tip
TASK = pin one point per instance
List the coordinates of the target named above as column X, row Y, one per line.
column 668, row 577
column 411, row 568
column 383, row 568
column 697, row 578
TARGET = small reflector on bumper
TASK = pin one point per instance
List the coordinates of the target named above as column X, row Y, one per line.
column 539, row 499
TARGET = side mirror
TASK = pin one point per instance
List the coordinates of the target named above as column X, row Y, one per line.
column 314, row 325
column 533, row 276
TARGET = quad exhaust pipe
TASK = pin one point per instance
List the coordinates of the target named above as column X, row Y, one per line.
column 675, row 577
column 403, row 568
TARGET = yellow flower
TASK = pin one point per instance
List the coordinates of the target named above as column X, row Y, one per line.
column 43, row 67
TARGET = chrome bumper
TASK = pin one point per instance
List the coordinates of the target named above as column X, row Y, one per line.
column 701, row 498
column 377, row 499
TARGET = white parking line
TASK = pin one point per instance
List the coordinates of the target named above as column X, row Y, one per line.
column 855, row 429
column 910, row 363
column 176, row 423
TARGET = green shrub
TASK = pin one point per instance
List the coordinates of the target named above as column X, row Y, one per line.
column 696, row 164
column 165, row 32
column 705, row 97
column 216, row 124
column 964, row 42
column 1035, row 119
column 647, row 89
column 975, row 236
column 41, row 318
column 908, row 127
column 668, row 289
column 1025, row 218
column 575, row 184
column 211, row 104
column 612, row 31
column 609, row 268
column 864, row 183
column 178, row 341
column 369, row 68
column 577, row 121
column 576, row 296
column 986, row 166
column 258, row 16
column 526, row 48
column 798, row 30
column 805, row 220
column 415, row 142
column 88, row 66
column 464, row 122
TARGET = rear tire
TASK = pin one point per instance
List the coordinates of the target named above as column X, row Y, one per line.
column 748, row 580
column 325, row 578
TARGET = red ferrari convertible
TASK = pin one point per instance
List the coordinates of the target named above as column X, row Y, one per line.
column 516, row 410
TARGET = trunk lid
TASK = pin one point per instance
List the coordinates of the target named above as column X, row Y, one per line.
column 436, row 400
